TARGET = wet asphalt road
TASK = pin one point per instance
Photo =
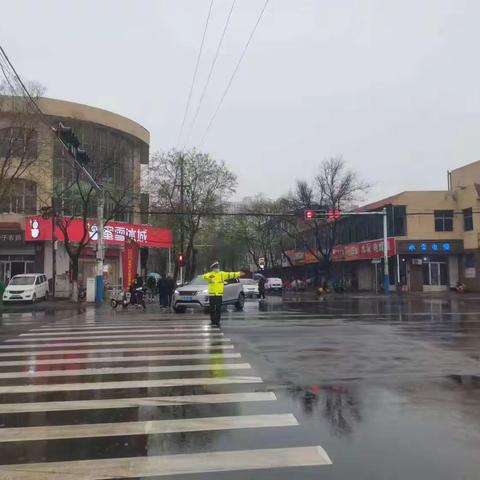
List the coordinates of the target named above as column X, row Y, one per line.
column 388, row 389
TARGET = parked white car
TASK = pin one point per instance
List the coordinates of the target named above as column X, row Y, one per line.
column 195, row 295
column 26, row 288
column 274, row 284
column 250, row 287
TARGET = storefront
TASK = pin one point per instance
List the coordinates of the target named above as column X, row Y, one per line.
column 16, row 255
column 38, row 230
column 360, row 265
column 429, row 265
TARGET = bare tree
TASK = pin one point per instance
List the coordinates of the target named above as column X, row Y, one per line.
column 259, row 231
column 20, row 143
column 334, row 187
column 206, row 183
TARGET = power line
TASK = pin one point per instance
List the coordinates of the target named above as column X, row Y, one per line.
column 244, row 51
column 212, row 67
column 187, row 106
column 43, row 117
column 24, row 88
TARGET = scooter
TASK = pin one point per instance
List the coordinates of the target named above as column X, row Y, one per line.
column 136, row 299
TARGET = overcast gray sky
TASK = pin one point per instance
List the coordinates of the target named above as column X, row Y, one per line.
column 393, row 86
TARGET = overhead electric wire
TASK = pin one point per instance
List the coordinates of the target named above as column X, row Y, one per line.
column 195, row 72
column 212, row 67
column 234, row 73
column 43, row 117
column 24, row 88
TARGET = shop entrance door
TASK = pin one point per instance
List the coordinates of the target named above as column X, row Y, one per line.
column 438, row 273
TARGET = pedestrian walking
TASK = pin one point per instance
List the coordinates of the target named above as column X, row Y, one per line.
column 165, row 287
column 261, row 287
column 216, row 278
column 170, row 288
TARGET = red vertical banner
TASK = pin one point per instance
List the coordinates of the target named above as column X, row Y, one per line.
column 129, row 261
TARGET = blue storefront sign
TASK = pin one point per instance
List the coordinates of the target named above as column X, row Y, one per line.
column 429, row 247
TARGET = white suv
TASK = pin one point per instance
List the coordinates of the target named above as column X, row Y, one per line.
column 26, row 288
column 195, row 295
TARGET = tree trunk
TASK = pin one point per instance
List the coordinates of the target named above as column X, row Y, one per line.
column 75, row 264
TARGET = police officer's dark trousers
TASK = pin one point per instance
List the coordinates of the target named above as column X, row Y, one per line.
column 215, row 309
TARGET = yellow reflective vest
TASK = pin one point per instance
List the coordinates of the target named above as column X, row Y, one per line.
column 216, row 281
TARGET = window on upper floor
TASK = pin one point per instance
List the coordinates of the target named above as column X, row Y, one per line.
column 467, row 219
column 21, row 197
column 18, row 142
column 443, row 220
column 399, row 220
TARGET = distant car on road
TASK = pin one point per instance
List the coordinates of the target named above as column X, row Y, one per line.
column 250, row 287
column 274, row 284
column 195, row 295
column 29, row 287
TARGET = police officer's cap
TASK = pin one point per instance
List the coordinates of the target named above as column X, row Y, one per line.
column 214, row 265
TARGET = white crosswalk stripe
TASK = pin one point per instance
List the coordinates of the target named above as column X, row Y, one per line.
column 106, row 336
column 84, row 351
column 165, row 465
column 126, row 370
column 114, row 342
column 60, row 367
column 136, row 402
column 118, row 359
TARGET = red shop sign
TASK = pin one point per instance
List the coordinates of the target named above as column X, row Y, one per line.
column 114, row 233
column 362, row 250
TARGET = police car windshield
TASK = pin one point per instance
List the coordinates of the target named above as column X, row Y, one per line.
column 22, row 281
column 198, row 281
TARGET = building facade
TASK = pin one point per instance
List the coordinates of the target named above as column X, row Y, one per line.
column 117, row 146
column 433, row 239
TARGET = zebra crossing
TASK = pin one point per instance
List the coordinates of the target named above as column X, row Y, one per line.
column 131, row 398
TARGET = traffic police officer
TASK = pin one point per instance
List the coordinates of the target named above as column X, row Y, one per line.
column 216, row 281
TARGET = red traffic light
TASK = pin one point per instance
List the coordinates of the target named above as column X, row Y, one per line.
column 333, row 214
column 181, row 259
column 309, row 214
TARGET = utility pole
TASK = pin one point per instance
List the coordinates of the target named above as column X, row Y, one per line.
column 54, row 246
column 99, row 287
column 386, row 274
column 182, row 211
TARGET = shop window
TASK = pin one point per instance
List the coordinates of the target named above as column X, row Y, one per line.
column 444, row 220
column 469, row 260
column 467, row 219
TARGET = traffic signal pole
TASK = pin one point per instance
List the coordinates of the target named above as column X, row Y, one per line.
column 335, row 214
column 386, row 273
column 99, row 284
column 182, row 207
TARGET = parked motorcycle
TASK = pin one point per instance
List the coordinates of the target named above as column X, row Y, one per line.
column 135, row 298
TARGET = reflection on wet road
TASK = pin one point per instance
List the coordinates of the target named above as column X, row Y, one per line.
column 384, row 389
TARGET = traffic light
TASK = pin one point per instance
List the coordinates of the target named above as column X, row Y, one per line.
column 68, row 138
column 333, row 215
column 82, row 156
column 310, row 214
column 180, row 259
